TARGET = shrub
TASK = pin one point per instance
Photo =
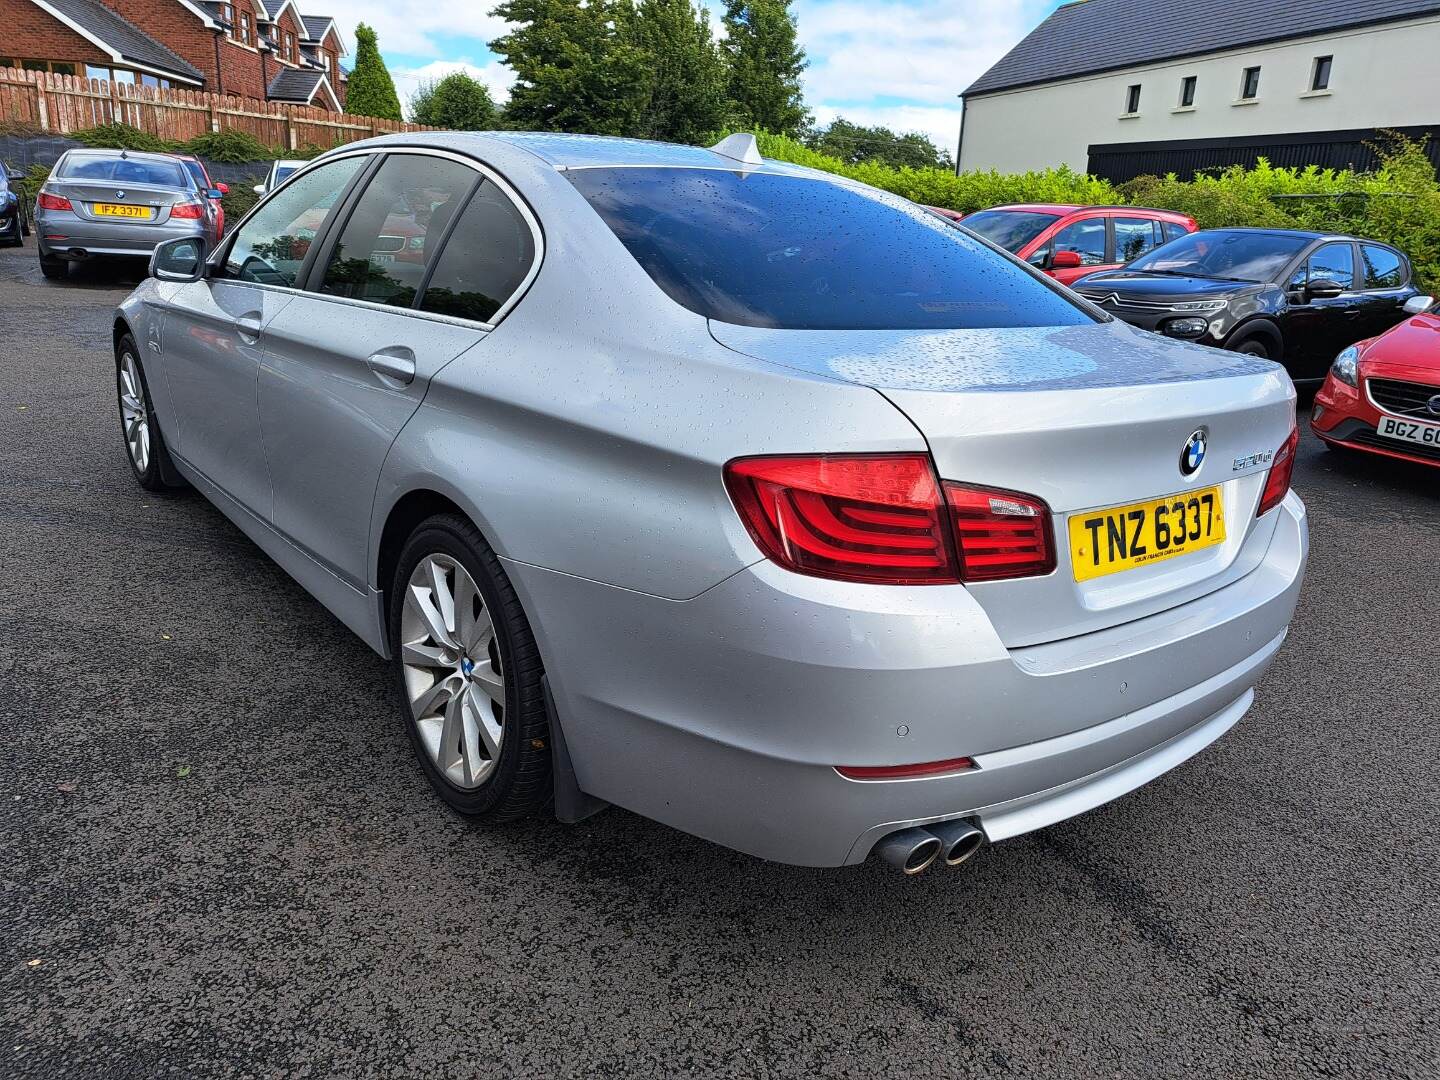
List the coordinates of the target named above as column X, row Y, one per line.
column 231, row 145
column 123, row 137
column 28, row 186
column 239, row 201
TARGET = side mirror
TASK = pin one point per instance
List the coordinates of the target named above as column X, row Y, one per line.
column 182, row 259
column 1323, row 289
column 1066, row 260
column 1418, row 305
column 223, row 189
column 259, row 189
column 214, row 193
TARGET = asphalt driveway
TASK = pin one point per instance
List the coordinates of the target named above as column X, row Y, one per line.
column 220, row 859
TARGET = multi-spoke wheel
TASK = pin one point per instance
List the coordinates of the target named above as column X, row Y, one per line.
column 470, row 673
column 453, row 674
column 144, row 444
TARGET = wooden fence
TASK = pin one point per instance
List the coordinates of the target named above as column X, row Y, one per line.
column 61, row 104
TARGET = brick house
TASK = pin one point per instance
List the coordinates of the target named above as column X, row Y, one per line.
column 253, row 48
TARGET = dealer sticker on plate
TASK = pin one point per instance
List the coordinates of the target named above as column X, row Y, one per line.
column 1122, row 537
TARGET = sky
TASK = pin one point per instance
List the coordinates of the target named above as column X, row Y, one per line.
column 899, row 63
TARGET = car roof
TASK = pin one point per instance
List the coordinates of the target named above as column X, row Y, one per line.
column 1304, row 234
column 1070, row 208
column 128, row 155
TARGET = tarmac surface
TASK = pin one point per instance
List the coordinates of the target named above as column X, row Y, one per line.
column 221, row 860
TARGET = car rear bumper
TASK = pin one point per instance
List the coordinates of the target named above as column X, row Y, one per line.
column 63, row 233
column 725, row 715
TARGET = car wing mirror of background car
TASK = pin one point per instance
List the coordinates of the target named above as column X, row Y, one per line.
column 1323, row 289
column 181, row 259
column 1066, row 260
column 1418, row 305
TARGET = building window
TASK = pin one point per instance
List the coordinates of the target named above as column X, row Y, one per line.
column 245, row 27
column 124, row 75
column 1132, row 100
column 1187, row 92
column 1320, row 76
column 1250, row 84
column 290, row 47
column 227, row 16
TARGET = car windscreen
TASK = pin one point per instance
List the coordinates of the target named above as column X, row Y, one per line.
column 1009, row 229
column 764, row 249
column 121, row 170
column 282, row 171
column 1232, row 256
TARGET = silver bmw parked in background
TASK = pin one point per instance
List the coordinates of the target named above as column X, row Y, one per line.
column 118, row 202
column 762, row 503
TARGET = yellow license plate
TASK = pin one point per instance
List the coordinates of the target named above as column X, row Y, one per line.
column 1123, row 537
column 105, row 209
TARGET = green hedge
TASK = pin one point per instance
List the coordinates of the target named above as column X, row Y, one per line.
column 1398, row 203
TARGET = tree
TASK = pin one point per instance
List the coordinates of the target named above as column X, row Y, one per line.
column 684, row 95
column 853, row 144
column 577, row 67
column 765, row 66
column 370, row 92
column 457, row 101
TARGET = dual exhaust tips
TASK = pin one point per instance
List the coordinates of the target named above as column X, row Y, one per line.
column 913, row 850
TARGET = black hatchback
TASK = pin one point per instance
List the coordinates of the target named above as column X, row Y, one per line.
column 1295, row 297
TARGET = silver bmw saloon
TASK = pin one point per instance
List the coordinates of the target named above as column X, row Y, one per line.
column 118, row 202
column 756, row 501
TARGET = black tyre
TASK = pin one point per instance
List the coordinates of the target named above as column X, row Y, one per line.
column 144, row 444
column 469, row 674
column 54, row 268
column 17, row 237
column 1254, row 346
column 24, row 224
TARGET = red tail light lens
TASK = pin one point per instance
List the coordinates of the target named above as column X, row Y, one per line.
column 999, row 534
column 1277, row 483
column 187, row 211
column 862, row 517
column 53, row 202
column 884, row 518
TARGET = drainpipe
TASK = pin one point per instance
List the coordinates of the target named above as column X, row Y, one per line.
column 960, row 140
column 219, row 71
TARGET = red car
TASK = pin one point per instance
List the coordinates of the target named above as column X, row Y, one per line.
column 1068, row 242
column 1383, row 394
column 201, row 175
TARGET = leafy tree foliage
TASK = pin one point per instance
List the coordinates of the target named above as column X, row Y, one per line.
column 765, row 66
column 683, row 96
column 457, row 101
column 853, row 144
column 576, row 64
column 371, row 91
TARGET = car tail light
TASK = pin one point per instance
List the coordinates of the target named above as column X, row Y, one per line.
column 861, row 517
column 885, row 519
column 187, row 211
column 999, row 534
column 1277, row 483
column 53, row 202
column 905, row 772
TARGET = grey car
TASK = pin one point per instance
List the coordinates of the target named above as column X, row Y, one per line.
column 118, row 202
column 753, row 500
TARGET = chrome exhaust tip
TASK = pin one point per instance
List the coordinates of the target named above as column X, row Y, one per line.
column 958, row 840
column 910, row 850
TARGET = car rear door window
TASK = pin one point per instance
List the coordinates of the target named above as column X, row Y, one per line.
column 1173, row 230
column 1333, row 262
column 761, row 248
column 1085, row 237
column 271, row 247
column 1134, row 236
column 1384, row 269
column 395, row 229
column 484, row 261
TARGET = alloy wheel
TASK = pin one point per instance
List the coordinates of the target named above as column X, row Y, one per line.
column 133, row 414
column 452, row 670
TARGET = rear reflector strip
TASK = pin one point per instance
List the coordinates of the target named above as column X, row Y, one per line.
column 906, row 772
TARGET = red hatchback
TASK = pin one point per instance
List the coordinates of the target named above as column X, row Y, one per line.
column 1068, row 242
column 1383, row 395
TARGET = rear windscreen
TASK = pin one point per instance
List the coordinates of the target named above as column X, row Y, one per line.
column 123, row 170
column 786, row 251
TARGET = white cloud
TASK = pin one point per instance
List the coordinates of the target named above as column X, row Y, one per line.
column 423, row 27
column 495, row 75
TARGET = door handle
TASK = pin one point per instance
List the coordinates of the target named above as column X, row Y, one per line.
column 248, row 327
column 394, row 366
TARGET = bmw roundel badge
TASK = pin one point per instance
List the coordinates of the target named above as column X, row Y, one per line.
column 1193, row 456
